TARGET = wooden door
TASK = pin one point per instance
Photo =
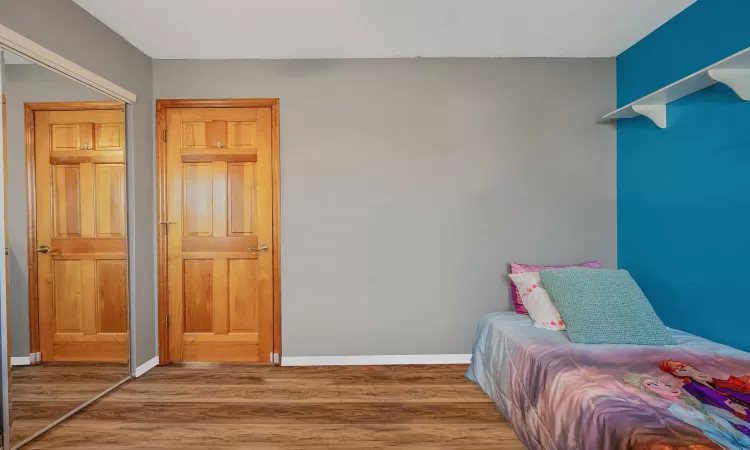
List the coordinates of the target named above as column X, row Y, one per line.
column 219, row 209
column 81, row 217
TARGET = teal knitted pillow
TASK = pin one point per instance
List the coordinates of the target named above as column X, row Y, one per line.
column 604, row 307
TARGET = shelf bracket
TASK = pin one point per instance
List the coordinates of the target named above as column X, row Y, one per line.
column 737, row 79
column 657, row 113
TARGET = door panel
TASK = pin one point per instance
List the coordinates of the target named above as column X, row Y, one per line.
column 241, row 196
column 69, row 136
column 112, row 295
column 199, row 294
column 243, row 301
column 198, row 199
column 66, row 197
column 68, row 296
column 219, row 198
column 109, row 136
column 81, row 216
column 110, row 200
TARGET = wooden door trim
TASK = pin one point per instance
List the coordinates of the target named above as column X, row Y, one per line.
column 75, row 106
column 30, row 151
column 161, row 206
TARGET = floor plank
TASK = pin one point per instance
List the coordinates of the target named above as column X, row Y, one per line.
column 259, row 407
column 41, row 394
column 407, row 393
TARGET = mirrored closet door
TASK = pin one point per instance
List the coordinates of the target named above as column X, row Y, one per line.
column 66, row 221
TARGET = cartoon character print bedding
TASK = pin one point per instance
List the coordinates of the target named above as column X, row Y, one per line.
column 559, row 396
column 719, row 408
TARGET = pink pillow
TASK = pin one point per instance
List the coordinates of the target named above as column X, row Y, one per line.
column 523, row 268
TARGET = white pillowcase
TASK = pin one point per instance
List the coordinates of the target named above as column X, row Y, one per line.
column 537, row 302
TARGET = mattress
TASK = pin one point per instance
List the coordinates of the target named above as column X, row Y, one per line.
column 559, row 395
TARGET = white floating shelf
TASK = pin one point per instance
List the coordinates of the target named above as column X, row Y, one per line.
column 733, row 71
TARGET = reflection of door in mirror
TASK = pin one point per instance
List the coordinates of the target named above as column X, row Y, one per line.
column 66, row 221
column 80, row 232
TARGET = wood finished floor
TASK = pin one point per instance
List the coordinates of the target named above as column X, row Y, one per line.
column 43, row 393
column 256, row 407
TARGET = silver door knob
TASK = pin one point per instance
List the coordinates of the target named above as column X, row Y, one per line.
column 43, row 249
column 263, row 248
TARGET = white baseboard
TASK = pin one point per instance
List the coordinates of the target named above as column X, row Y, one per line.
column 26, row 360
column 374, row 360
column 145, row 367
column 20, row 360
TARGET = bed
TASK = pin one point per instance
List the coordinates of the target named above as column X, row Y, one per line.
column 558, row 395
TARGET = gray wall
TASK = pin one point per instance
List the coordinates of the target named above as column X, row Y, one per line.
column 65, row 28
column 409, row 185
column 27, row 83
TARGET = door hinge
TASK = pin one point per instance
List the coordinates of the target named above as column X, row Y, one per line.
column 165, row 136
column 166, row 322
column 274, row 357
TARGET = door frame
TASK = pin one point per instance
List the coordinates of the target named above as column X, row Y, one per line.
column 29, row 127
column 161, row 207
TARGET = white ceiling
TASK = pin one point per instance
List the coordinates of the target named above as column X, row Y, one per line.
column 220, row 29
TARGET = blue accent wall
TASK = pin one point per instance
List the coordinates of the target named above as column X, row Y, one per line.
column 684, row 192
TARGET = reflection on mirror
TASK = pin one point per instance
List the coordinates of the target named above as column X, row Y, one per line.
column 66, row 220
